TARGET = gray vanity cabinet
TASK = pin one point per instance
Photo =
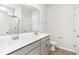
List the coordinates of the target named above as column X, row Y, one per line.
column 40, row 47
column 25, row 50
column 36, row 51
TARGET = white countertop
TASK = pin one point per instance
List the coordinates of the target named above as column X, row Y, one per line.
column 8, row 45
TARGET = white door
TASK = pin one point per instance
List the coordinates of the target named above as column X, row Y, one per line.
column 76, row 28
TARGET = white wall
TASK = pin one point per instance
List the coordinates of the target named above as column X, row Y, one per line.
column 60, row 24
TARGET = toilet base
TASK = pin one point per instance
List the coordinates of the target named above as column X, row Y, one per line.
column 52, row 48
column 53, row 45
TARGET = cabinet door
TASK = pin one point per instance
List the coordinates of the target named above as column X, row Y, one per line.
column 36, row 51
column 44, row 49
column 26, row 49
column 48, row 46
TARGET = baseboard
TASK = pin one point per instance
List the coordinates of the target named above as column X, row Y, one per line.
column 67, row 49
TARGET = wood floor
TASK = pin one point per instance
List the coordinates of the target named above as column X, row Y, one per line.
column 61, row 52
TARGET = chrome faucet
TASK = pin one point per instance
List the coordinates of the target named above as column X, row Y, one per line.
column 15, row 37
column 36, row 32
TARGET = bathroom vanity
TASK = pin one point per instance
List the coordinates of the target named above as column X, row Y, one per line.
column 27, row 44
column 40, row 46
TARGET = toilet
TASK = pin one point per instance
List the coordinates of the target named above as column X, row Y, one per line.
column 53, row 45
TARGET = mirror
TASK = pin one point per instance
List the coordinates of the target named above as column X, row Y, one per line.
column 26, row 19
column 18, row 18
column 29, row 19
column 8, row 23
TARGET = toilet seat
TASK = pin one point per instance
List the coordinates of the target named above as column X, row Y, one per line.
column 53, row 43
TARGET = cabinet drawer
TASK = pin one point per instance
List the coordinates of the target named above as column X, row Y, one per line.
column 26, row 49
column 44, row 39
column 36, row 51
